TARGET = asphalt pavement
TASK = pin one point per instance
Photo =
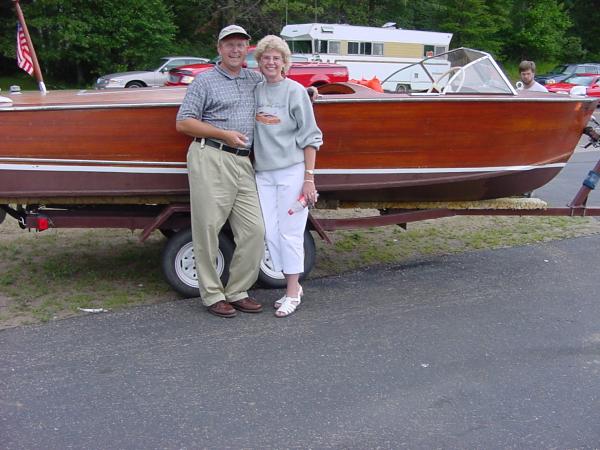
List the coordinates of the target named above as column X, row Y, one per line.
column 487, row 349
column 561, row 190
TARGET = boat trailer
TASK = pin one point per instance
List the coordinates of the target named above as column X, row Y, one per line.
column 173, row 220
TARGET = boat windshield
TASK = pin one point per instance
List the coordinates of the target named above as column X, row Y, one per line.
column 463, row 71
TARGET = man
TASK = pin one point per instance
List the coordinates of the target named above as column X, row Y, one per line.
column 218, row 112
column 527, row 72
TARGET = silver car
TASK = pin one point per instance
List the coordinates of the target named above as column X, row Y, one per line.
column 144, row 78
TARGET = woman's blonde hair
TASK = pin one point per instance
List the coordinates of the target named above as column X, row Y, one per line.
column 272, row 42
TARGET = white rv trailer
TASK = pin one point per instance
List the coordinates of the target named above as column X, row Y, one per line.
column 372, row 51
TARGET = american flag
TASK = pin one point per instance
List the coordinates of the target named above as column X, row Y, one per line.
column 24, row 60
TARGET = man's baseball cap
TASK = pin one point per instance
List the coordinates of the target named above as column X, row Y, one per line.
column 233, row 29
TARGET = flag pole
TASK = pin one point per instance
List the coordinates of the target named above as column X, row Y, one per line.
column 36, row 66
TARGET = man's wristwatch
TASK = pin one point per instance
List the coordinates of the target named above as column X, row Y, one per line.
column 310, row 171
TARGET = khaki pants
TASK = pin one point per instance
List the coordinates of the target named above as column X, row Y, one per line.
column 222, row 187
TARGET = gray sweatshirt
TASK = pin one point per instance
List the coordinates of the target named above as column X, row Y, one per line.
column 284, row 125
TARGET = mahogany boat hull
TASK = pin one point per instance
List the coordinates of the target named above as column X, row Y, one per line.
column 378, row 147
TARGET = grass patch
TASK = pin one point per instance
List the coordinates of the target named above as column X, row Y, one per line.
column 49, row 275
column 512, row 69
column 354, row 249
column 29, row 83
column 23, row 80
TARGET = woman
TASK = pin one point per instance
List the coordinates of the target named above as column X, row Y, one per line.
column 286, row 139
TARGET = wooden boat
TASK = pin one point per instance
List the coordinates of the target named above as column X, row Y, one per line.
column 470, row 136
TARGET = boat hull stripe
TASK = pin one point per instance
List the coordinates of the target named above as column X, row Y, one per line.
column 175, row 170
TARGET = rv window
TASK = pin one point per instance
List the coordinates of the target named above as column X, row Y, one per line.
column 428, row 51
column 322, row 46
column 300, row 46
column 364, row 48
column 334, row 47
column 439, row 50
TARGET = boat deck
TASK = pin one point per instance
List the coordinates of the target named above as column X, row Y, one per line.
column 104, row 97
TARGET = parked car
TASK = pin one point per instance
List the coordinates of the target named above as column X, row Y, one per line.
column 155, row 76
column 304, row 72
column 590, row 80
column 559, row 73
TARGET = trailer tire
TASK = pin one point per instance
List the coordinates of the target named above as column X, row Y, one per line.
column 267, row 277
column 167, row 232
column 179, row 267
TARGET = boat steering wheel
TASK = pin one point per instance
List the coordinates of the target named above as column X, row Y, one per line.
column 452, row 73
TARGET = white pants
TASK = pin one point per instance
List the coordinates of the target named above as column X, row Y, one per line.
column 278, row 190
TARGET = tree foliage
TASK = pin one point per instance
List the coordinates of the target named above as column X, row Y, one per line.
column 79, row 39
column 539, row 28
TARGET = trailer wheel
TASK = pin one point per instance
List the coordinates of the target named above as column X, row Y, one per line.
column 270, row 278
column 167, row 232
column 179, row 267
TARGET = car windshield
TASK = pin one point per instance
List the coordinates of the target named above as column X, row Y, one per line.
column 563, row 68
column 156, row 64
column 580, row 80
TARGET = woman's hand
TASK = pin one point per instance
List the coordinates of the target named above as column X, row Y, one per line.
column 309, row 191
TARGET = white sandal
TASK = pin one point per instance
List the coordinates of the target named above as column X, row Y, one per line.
column 279, row 302
column 288, row 306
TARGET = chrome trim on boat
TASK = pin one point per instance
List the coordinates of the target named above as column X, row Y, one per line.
column 182, row 170
column 107, row 169
column 320, row 99
column 84, row 92
column 86, row 106
column 446, row 98
column 435, row 170
column 93, row 161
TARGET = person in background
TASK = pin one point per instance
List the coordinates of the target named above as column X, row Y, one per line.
column 218, row 112
column 286, row 142
column 527, row 74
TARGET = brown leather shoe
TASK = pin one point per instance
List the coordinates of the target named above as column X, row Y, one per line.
column 222, row 309
column 247, row 305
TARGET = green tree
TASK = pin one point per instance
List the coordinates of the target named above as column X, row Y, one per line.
column 472, row 23
column 77, row 39
column 585, row 15
column 539, row 30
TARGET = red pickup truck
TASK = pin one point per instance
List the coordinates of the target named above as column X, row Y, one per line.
column 305, row 73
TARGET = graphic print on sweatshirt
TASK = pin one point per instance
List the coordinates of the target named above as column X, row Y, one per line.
column 267, row 115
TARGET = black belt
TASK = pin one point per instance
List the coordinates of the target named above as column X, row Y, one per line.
column 227, row 148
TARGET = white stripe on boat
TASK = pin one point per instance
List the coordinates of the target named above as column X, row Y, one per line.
column 183, row 170
column 435, row 170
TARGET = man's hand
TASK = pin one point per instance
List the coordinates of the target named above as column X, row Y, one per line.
column 313, row 93
column 235, row 138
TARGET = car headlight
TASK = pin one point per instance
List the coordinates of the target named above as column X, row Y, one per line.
column 187, row 79
column 550, row 81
